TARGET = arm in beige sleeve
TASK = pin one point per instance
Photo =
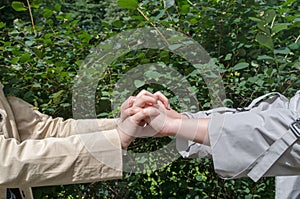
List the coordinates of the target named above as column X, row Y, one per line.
column 31, row 124
column 74, row 159
column 54, row 151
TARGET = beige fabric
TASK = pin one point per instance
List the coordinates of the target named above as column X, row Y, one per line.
column 8, row 125
column 26, row 192
column 32, row 124
column 38, row 150
column 3, row 193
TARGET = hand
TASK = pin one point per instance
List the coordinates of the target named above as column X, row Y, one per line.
column 163, row 120
column 170, row 123
column 158, row 95
column 136, row 112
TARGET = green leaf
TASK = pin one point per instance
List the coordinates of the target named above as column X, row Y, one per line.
column 18, row 6
column 25, row 57
column 262, row 26
column 138, row 83
column 57, row 7
column 151, row 74
column 176, row 38
column 199, row 178
column 255, row 19
column 47, row 13
column 14, row 60
column 279, row 27
column 264, row 57
column 296, row 65
column 228, row 57
column 36, row 85
column 2, row 24
column 57, row 96
column 265, row 40
column 129, row 4
column 168, row 3
column 184, row 9
column 293, row 46
column 79, row 62
column 29, row 43
column 283, row 51
column 270, row 14
column 253, row 79
column 35, row 5
column 174, row 46
column 240, row 66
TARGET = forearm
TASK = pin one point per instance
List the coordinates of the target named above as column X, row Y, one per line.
column 51, row 161
column 189, row 148
column 32, row 124
column 190, row 129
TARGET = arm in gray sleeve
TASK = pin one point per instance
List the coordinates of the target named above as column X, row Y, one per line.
column 191, row 149
column 254, row 141
column 240, row 141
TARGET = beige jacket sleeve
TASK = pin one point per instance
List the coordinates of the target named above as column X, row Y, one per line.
column 38, row 150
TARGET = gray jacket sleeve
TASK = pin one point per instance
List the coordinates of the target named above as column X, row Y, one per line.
column 241, row 139
column 287, row 187
column 190, row 149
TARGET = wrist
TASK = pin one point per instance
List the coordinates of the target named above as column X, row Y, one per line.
column 173, row 127
column 124, row 138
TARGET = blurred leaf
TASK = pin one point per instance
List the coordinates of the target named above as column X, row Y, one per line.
column 2, row 24
column 255, row 19
column 25, row 57
column 174, row 46
column 29, row 43
column 168, row 3
column 263, row 27
column 264, row 57
column 18, row 6
column 283, row 51
column 129, row 4
column 47, row 13
column 265, row 40
column 228, row 57
column 57, row 7
column 36, row 85
column 270, row 15
column 240, row 66
column 138, row 83
column 279, row 27
column 35, row 4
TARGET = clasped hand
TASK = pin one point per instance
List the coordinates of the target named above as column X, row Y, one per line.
column 145, row 115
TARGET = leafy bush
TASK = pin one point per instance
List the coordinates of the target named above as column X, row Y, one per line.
column 254, row 44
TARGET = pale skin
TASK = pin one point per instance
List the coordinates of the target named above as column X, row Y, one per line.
column 133, row 116
column 151, row 115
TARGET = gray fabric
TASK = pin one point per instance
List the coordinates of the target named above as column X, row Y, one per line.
column 287, row 187
column 190, row 149
column 240, row 137
column 244, row 141
column 267, row 159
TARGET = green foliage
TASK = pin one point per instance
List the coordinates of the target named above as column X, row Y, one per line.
column 254, row 44
column 18, row 6
column 130, row 4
